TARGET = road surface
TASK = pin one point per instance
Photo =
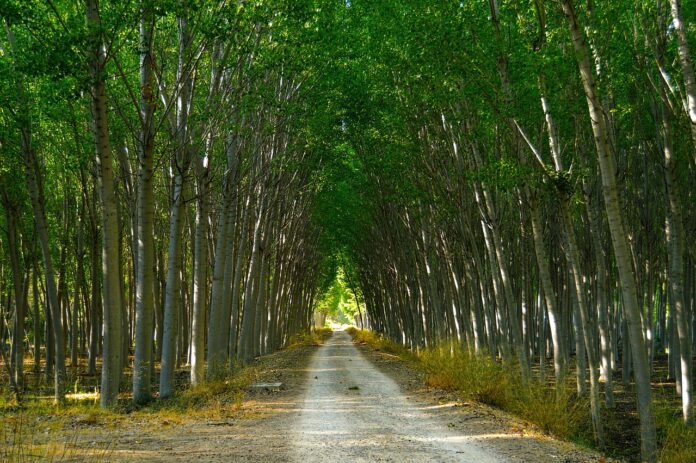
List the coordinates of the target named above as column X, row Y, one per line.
column 353, row 412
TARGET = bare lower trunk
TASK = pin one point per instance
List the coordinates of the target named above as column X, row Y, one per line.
column 172, row 298
column 17, row 358
column 200, row 282
column 145, row 264
column 587, row 329
column 619, row 238
column 246, row 337
column 35, row 188
column 674, row 231
column 112, row 361
column 549, row 296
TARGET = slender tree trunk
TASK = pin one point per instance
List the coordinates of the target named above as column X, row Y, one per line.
column 79, row 276
column 35, row 188
column 112, row 361
column 145, row 265
column 17, row 357
column 216, row 342
column 200, row 283
column 246, row 337
column 549, row 296
column 619, row 238
column 674, row 232
column 172, row 298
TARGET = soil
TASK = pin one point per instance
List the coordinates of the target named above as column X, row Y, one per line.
column 338, row 403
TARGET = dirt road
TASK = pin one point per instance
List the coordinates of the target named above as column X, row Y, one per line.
column 354, row 412
column 338, row 404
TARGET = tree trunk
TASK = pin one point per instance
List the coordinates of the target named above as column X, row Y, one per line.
column 619, row 238
column 172, row 297
column 35, row 188
column 145, row 265
column 112, row 361
column 674, row 232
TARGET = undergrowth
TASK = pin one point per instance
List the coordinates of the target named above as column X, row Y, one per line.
column 379, row 343
column 26, row 437
column 315, row 337
column 38, row 430
column 678, row 440
column 482, row 379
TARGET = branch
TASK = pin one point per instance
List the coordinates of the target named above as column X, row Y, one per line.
column 537, row 155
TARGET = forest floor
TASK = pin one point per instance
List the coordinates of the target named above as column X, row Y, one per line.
column 338, row 402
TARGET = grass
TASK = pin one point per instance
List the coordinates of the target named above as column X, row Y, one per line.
column 36, row 431
column 484, row 380
column 678, row 441
column 315, row 337
column 379, row 343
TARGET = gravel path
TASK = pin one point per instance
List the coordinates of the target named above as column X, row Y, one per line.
column 353, row 412
column 338, row 403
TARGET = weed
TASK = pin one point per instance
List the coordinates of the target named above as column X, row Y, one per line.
column 561, row 415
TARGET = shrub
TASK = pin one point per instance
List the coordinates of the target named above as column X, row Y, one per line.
column 323, row 333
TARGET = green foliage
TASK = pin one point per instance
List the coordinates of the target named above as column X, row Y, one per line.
column 338, row 301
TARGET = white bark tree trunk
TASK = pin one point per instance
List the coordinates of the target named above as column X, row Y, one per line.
column 145, row 265
column 112, row 319
column 618, row 237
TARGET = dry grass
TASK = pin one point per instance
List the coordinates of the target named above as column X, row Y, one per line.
column 217, row 399
column 566, row 416
column 26, row 437
column 379, row 343
column 474, row 377
column 38, row 430
column 316, row 337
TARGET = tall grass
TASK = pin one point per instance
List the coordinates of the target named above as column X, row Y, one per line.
column 484, row 380
column 379, row 343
